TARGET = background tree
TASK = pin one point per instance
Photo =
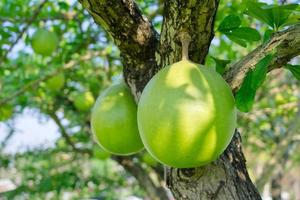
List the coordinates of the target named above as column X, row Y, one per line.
column 250, row 39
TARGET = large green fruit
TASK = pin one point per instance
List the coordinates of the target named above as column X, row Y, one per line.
column 114, row 122
column 56, row 83
column 6, row 112
column 149, row 160
column 84, row 101
column 100, row 153
column 44, row 42
column 186, row 115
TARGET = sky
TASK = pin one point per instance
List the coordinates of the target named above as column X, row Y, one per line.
column 31, row 132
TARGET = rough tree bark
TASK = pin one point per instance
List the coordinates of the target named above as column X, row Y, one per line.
column 143, row 55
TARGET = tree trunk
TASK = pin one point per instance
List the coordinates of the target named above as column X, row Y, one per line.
column 226, row 178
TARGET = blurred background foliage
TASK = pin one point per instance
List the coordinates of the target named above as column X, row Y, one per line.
column 75, row 167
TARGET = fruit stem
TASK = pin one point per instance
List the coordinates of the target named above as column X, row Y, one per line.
column 185, row 40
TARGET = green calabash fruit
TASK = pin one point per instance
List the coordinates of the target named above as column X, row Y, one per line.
column 186, row 115
column 114, row 122
column 100, row 153
column 84, row 101
column 44, row 42
column 56, row 83
column 149, row 160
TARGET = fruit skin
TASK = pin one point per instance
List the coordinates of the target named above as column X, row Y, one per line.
column 113, row 121
column 6, row 112
column 149, row 160
column 56, row 83
column 84, row 101
column 100, row 153
column 44, row 42
column 186, row 115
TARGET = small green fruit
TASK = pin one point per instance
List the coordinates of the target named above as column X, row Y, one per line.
column 84, row 101
column 6, row 112
column 186, row 115
column 113, row 121
column 56, row 83
column 44, row 42
column 279, row 99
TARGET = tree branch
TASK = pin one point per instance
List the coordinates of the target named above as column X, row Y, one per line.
column 286, row 45
column 62, row 16
column 132, row 33
column 29, row 22
column 7, row 137
column 154, row 192
column 65, row 135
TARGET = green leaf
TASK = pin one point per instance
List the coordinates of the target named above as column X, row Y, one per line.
column 63, row 5
column 220, row 64
column 253, row 80
column 4, row 34
column 281, row 13
column 244, row 98
column 260, row 71
column 254, row 9
column 280, row 16
column 295, row 70
column 237, row 40
column 245, row 33
column 294, row 18
column 267, row 35
column 273, row 15
column 230, row 22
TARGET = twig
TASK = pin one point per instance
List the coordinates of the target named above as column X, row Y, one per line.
column 7, row 137
column 135, row 168
column 30, row 21
column 24, row 20
column 65, row 135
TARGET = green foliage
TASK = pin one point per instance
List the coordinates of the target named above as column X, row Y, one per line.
column 230, row 22
column 270, row 128
column 267, row 35
column 55, row 172
column 230, row 26
column 295, row 69
column 254, row 79
column 6, row 112
column 220, row 64
column 244, row 98
column 275, row 16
